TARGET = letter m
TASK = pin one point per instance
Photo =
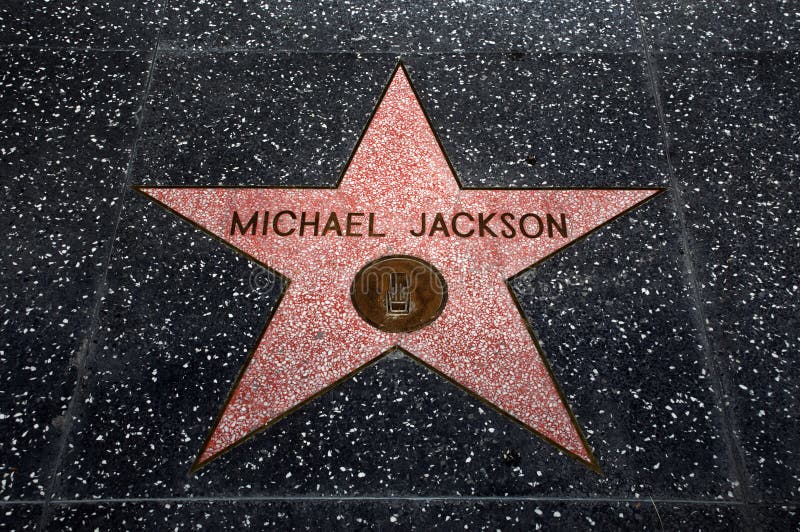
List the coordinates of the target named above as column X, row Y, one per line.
column 237, row 222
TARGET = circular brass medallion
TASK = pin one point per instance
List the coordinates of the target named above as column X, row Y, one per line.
column 399, row 293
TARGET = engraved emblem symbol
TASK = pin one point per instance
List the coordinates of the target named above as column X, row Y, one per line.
column 398, row 296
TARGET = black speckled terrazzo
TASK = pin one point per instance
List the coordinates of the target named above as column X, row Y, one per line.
column 79, row 24
column 603, row 99
column 735, row 134
column 672, row 331
column 720, row 26
column 386, row 514
column 66, row 129
column 403, row 26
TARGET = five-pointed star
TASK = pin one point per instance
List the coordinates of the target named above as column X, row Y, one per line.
column 316, row 338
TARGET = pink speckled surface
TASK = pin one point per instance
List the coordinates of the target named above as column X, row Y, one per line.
column 316, row 337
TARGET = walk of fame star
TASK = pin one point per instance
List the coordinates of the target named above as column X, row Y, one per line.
column 398, row 196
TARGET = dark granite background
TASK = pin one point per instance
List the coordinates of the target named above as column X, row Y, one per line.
column 673, row 331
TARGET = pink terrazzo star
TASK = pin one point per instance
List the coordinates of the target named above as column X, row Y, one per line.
column 316, row 338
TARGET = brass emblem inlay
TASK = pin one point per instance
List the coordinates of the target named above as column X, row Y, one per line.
column 399, row 293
